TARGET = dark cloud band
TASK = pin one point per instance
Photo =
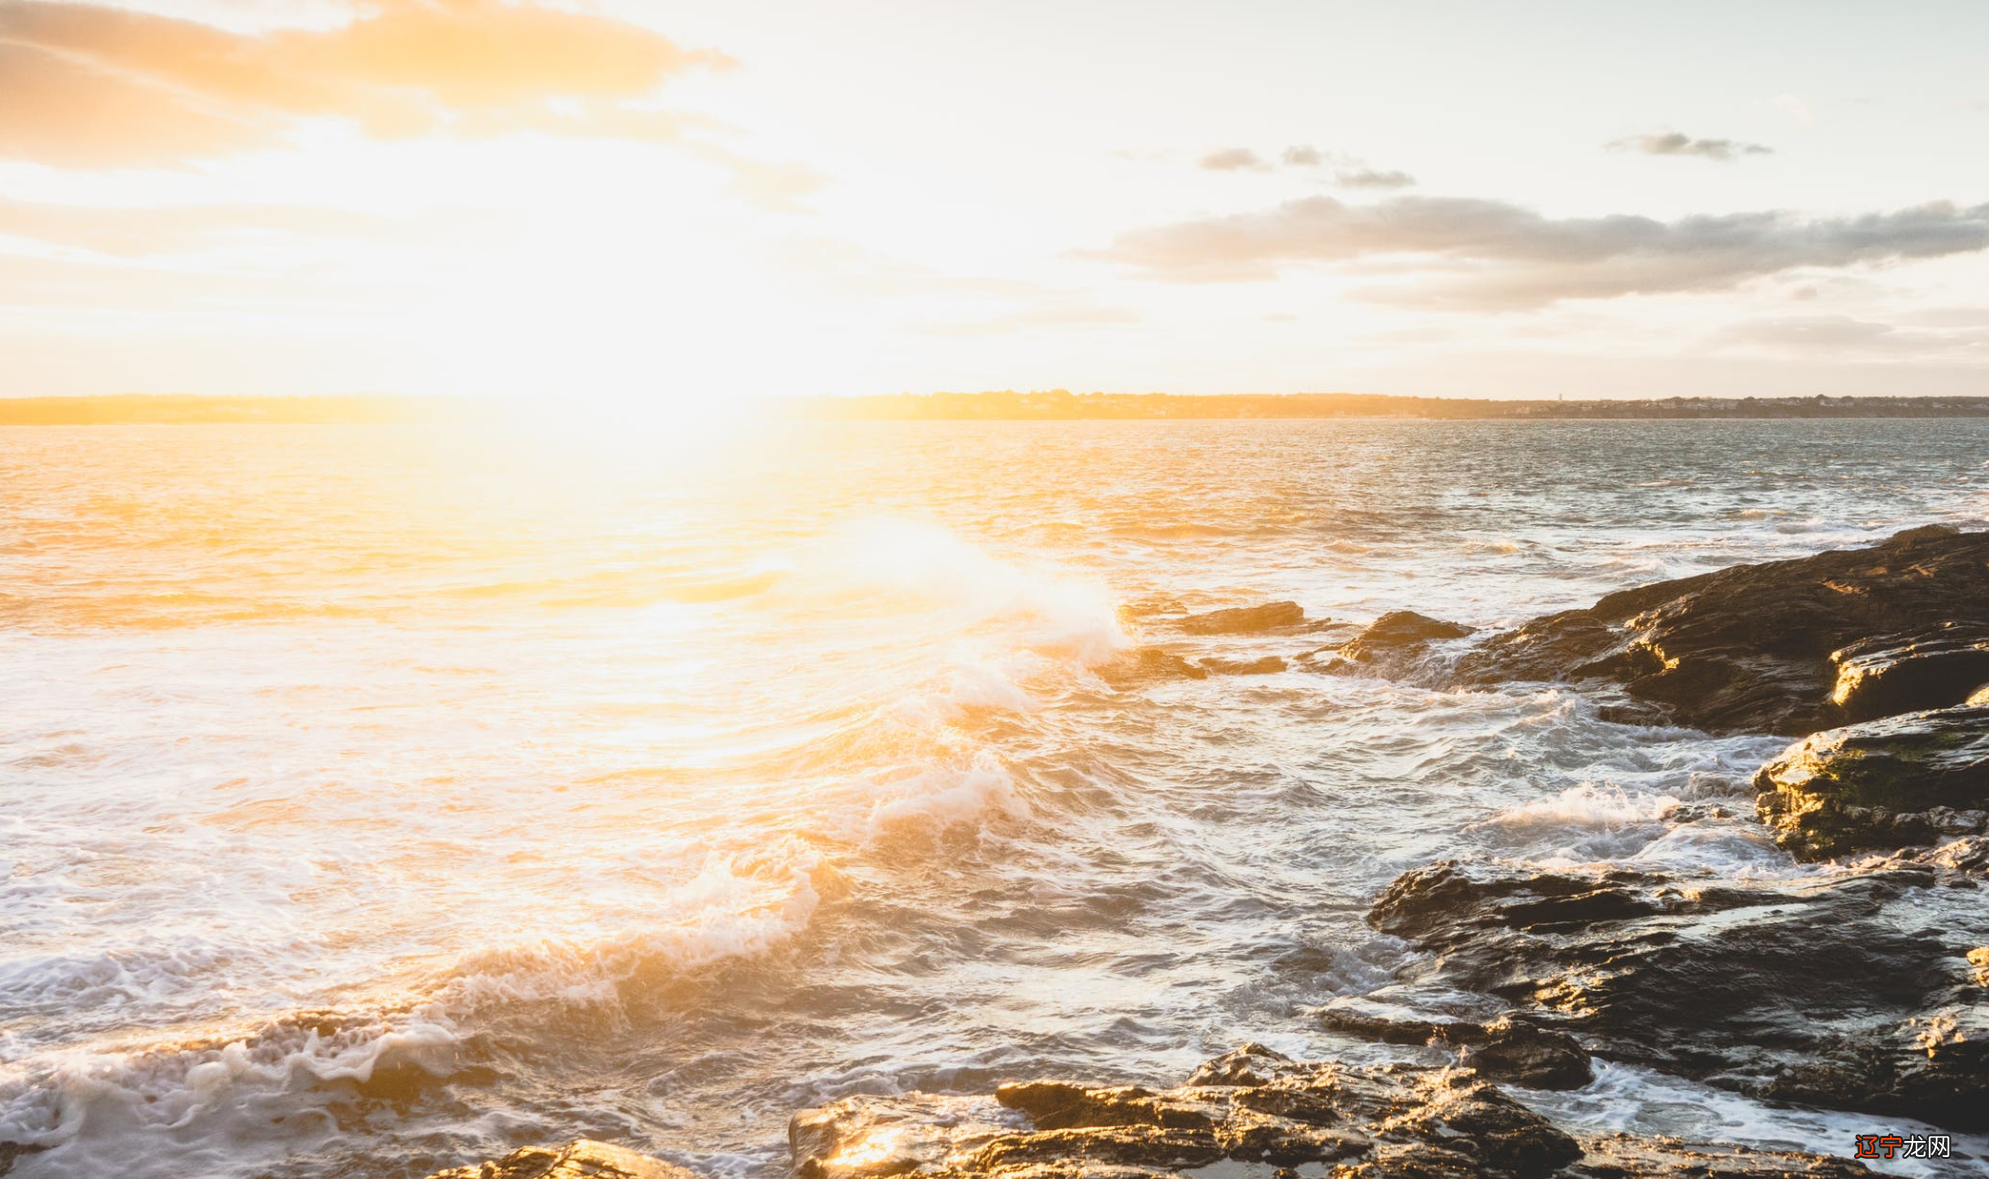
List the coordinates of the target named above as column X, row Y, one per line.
column 1482, row 254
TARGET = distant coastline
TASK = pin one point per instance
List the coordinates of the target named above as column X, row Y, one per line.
column 1061, row 405
column 193, row 409
column 1006, row 405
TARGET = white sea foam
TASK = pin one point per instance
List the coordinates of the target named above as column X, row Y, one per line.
column 1590, row 805
column 1050, row 610
column 861, row 810
column 214, row 1093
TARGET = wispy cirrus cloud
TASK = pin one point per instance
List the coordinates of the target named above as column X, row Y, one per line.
column 1475, row 254
column 1347, row 171
column 89, row 85
column 1677, row 143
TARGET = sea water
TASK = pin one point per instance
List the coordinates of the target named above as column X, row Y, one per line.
column 376, row 799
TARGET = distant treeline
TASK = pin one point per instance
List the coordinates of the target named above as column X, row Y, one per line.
column 1061, row 404
column 1007, row 405
column 137, row 409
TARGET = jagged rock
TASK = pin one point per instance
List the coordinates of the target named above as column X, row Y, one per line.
column 1890, row 674
column 1748, row 649
column 1526, row 1054
column 1838, row 992
column 581, row 1159
column 1398, row 632
column 1259, row 1109
column 1245, row 620
column 1882, row 784
column 1969, row 854
column 1268, row 665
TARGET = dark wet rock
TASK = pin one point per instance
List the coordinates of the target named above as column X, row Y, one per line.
column 1143, row 665
column 1891, row 674
column 1477, row 1026
column 1945, row 1081
column 1527, row 1054
column 1246, row 620
column 1748, row 649
column 1883, row 784
column 1400, row 630
column 1968, row 855
column 12, row 1152
column 1851, row 992
column 1252, row 1112
column 1268, row 665
column 582, row 1159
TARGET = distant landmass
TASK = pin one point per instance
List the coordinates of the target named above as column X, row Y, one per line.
column 169, row 409
column 1006, row 405
column 1061, row 404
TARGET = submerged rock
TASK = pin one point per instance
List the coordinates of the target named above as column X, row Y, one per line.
column 1268, row 665
column 1882, row 784
column 1749, row 649
column 581, row 1159
column 1245, row 620
column 1399, row 633
column 1855, row 993
column 1253, row 1112
column 1143, row 665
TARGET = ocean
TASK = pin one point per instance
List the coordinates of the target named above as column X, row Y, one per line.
column 379, row 798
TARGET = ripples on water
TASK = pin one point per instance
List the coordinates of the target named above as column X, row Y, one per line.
column 379, row 798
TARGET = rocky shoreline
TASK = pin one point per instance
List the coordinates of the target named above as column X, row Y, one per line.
column 1865, row 988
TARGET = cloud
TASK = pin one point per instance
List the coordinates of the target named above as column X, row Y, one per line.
column 1676, row 143
column 1795, row 108
column 1370, row 178
column 1841, row 334
column 1484, row 254
column 1234, row 159
column 89, row 85
column 1348, row 171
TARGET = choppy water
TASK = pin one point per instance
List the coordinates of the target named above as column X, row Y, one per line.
column 376, row 799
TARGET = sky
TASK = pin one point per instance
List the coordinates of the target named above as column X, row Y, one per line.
column 668, row 204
